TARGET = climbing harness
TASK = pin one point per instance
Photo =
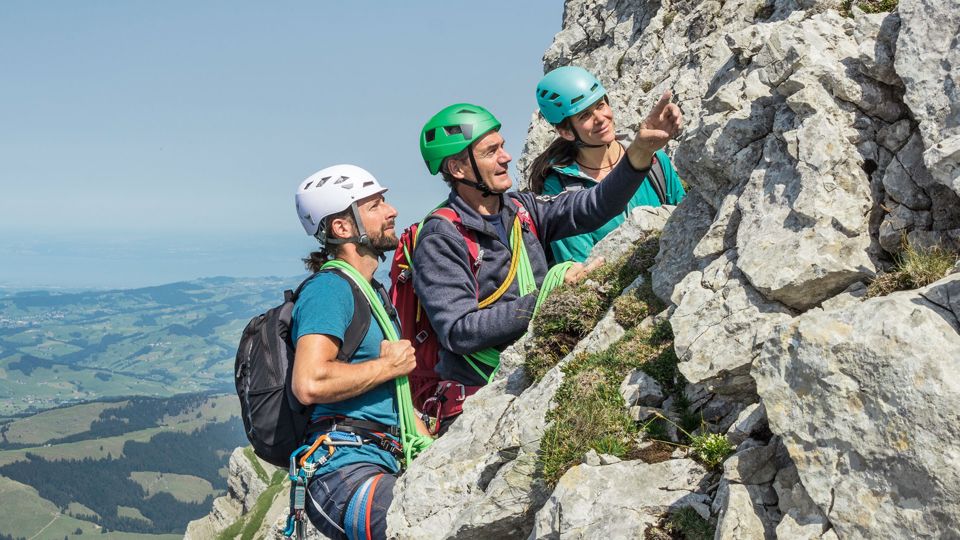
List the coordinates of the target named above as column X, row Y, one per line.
column 302, row 470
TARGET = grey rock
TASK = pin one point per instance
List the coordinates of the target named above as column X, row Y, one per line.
column 847, row 406
column 928, row 62
column 681, row 234
column 793, row 500
column 638, row 388
column 854, row 294
column 789, row 527
column 618, row 500
column 751, row 465
column 492, row 488
column 718, row 325
column 901, row 222
column 876, row 36
column 749, row 421
column 742, row 514
column 642, row 414
column 895, row 135
column 245, row 488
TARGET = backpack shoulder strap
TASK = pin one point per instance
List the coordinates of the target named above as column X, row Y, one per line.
column 360, row 322
column 525, row 218
column 473, row 248
column 658, row 179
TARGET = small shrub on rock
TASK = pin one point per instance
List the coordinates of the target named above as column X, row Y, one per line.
column 915, row 267
column 868, row 6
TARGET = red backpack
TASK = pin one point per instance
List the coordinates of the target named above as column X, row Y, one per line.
column 414, row 324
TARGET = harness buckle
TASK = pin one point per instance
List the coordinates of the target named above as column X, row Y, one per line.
column 422, row 336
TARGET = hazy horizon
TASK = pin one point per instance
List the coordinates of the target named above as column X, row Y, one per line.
column 143, row 144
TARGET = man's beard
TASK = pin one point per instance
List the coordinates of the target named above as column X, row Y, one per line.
column 383, row 241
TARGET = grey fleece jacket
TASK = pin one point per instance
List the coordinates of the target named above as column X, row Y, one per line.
column 445, row 283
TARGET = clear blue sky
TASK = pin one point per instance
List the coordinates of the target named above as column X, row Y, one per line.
column 144, row 142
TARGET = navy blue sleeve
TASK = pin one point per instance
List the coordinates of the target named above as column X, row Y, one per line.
column 571, row 213
column 448, row 293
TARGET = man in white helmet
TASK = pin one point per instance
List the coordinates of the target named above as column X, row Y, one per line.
column 348, row 380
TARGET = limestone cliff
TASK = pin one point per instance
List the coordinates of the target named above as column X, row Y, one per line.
column 814, row 143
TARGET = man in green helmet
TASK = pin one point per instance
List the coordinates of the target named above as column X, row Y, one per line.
column 478, row 304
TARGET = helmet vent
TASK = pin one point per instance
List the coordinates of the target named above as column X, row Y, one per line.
column 323, row 181
column 308, row 185
column 576, row 99
column 594, row 87
column 452, row 130
column 553, row 96
column 466, row 111
column 430, row 136
column 543, row 93
column 368, row 183
column 340, row 180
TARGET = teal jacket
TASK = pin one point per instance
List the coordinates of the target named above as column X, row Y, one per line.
column 569, row 178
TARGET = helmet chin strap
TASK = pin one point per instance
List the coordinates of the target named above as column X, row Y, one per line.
column 361, row 239
column 479, row 185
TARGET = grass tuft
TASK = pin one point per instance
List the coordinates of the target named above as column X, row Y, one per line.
column 591, row 413
column 572, row 311
column 255, row 462
column 867, row 6
column 711, row 448
column 915, row 267
column 250, row 524
column 686, row 523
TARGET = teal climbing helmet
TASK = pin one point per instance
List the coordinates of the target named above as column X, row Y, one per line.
column 451, row 130
column 566, row 91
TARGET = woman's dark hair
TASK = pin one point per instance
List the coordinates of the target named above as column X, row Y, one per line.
column 561, row 152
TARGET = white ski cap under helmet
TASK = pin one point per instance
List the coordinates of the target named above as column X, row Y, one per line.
column 332, row 190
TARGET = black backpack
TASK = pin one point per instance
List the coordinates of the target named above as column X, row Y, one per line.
column 275, row 422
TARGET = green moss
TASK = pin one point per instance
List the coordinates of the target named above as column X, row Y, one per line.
column 915, row 267
column 867, row 6
column 590, row 412
column 572, row 311
column 590, row 415
column 257, row 467
column 686, row 523
column 248, row 525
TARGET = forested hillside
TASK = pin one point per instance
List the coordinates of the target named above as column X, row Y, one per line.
column 138, row 465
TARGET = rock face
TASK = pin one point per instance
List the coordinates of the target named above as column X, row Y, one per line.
column 814, row 144
column 605, row 501
column 873, row 433
column 244, row 486
column 927, row 60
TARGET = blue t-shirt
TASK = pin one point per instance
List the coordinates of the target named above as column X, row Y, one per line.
column 325, row 306
column 497, row 223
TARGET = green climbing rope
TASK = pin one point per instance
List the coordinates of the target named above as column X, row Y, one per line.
column 413, row 442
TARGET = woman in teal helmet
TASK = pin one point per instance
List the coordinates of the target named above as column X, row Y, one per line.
column 586, row 150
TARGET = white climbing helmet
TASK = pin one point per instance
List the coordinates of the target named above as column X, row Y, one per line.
column 333, row 190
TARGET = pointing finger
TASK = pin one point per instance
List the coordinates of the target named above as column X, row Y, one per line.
column 661, row 105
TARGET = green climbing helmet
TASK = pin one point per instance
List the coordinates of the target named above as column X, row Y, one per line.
column 453, row 129
column 566, row 91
